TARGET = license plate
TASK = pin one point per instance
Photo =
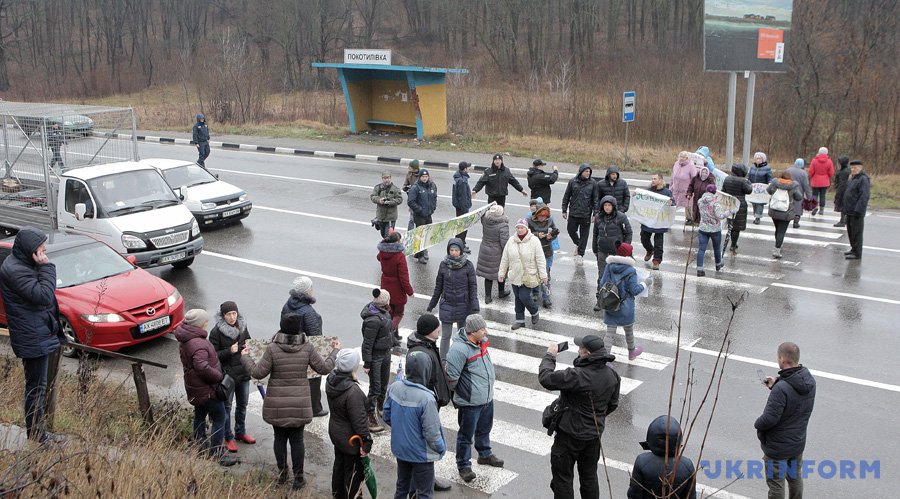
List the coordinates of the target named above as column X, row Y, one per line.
column 173, row 258
column 155, row 324
column 231, row 213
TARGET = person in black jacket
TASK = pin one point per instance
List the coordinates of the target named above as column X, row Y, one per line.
column 422, row 201
column 55, row 139
column 462, row 197
column 376, row 351
column 611, row 225
column 228, row 337
column 539, row 181
column 782, row 427
column 840, row 185
column 738, row 185
column 580, row 196
column 856, row 202
column 456, row 287
column 497, row 178
column 301, row 303
column 28, row 287
column 200, row 136
column 348, row 420
column 588, row 392
column 613, row 185
column 655, row 473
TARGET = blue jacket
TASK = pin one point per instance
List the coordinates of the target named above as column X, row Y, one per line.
column 664, row 192
column 422, row 198
column 704, row 151
column 456, row 288
column 621, row 270
column 301, row 303
column 856, row 195
column 470, row 372
column 200, row 132
column 462, row 193
column 761, row 173
column 782, row 427
column 411, row 411
column 28, row 291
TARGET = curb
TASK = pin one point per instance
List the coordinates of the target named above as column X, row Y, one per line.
column 287, row 150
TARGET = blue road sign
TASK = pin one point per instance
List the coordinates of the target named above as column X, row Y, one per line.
column 628, row 99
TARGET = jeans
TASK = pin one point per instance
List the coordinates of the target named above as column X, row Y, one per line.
column 346, row 475
column 35, row 390
column 379, row 377
column 315, row 394
column 579, row 229
column 781, row 227
column 386, row 227
column 447, row 331
column 855, row 225
column 421, row 221
column 462, row 235
column 567, row 452
column 819, row 194
column 717, row 247
column 242, row 394
column 295, row 437
column 202, row 153
column 215, row 409
column 524, row 299
column 474, row 420
column 758, row 209
column 545, row 288
column 501, row 200
column 656, row 246
column 414, row 480
column 781, row 469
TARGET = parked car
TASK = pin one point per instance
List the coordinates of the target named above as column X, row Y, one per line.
column 73, row 125
column 105, row 300
column 211, row 201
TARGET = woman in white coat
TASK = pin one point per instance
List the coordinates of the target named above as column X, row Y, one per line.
column 523, row 264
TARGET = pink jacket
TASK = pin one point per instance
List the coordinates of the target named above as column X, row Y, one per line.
column 681, row 180
column 821, row 169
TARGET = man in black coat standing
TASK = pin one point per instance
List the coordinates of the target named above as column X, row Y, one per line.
column 613, row 185
column 782, row 427
column 200, row 136
column 497, row 178
column 28, row 287
column 589, row 392
column 539, row 181
column 581, row 197
column 856, row 202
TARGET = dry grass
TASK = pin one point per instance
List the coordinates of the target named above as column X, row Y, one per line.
column 886, row 191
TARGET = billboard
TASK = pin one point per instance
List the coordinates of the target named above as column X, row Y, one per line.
column 746, row 35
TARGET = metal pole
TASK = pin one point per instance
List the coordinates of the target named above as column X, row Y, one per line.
column 748, row 117
column 134, row 142
column 626, row 144
column 729, row 125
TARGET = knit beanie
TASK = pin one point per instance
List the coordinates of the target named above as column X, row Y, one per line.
column 423, row 172
column 426, row 324
column 302, row 284
column 291, row 323
column 228, row 306
column 414, row 165
column 623, row 249
column 711, row 188
column 382, row 297
column 347, row 360
column 496, row 210
column 196, row 317
column 475, row 322
column 522, row 222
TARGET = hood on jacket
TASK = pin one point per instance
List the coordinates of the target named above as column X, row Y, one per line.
column 391, row 247
column 844, row 161
column 612, row 169
column 599, row 357
column 297, row 298
column 369, row 310
column 703, row 170
column 656, row 436
column 781, row 184
column 765, row 159
column 623, row 261
column 28, row 240
column 457, row 242
column 582, row 168
column 538, row 202
column 415, row 340
column 458, row 175
column 608, row 199
column 739, row 170
column 703, row 151
column 289, row 342
column 337, row 383
column 418, row 367
column 185, row 333
column 799, row 163
column 541, row 208
column 799, row 378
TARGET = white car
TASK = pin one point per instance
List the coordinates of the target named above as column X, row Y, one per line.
column 211, row 201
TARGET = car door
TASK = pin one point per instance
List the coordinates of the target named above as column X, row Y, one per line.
column 76, row 191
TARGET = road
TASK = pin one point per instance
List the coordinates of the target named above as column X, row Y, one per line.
column 311, row 215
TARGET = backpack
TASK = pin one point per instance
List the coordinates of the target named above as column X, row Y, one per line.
column 780, row 201
column 609, row 298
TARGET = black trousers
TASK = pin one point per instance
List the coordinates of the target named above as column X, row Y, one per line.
column 462, row 235
column 565, row 454
column 656, row 246
column 781, row 227
column 579, row 229
column 501, row 200
column 421, row 221
column 202, row 153
column 855, row 226
column 315, row 394
column 346, row 475
column 295, row 437
column 35, row 391
column 379, row 378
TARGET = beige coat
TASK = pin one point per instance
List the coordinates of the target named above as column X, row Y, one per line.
column 521, row 256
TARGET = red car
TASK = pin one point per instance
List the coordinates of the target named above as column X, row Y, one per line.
column 105, row 301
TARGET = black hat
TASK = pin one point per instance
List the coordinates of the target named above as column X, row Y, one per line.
column 856, row 162
column 426, row 324
column 463, row 165
column 591, row 342
column 228, row 306
column 290, row 323
column 498, row 156
column 423, row 172
column 538, row 162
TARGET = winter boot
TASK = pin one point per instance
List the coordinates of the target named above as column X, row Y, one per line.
column 776, row 254
column 634, row 352
column 656, row 264
column 648, row 256
column 374, row 426
column 282, row 476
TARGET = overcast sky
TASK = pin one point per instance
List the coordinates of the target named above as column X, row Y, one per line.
column 781, row 9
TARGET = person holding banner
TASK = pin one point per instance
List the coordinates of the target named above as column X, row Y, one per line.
column 523, row 263
column 422, row 202
column 711, row 215
column 683, row 173
column 760, row 173
column 655, row 249
column 697, row 188
column 738, row 186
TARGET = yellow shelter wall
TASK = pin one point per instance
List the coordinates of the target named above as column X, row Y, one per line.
column 361, row 97
column 391, row 101
column 433, row 107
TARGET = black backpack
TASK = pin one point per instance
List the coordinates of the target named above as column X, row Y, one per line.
column 609, row 298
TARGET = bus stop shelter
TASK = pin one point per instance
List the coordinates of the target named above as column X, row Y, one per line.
column 395, row 98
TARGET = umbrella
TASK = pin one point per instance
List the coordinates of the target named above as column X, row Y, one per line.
column 368, row 472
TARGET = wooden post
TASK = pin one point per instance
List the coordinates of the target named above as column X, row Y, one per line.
column 50, row 395
column 140, row 384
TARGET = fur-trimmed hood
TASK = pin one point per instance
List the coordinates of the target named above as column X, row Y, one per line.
column 624, row 260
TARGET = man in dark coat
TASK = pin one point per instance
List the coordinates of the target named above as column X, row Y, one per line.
column 376, row 351
column 856, row 202
column 782, row 427
column 588, row 392
column 200, row 136
column 462, row 197
column 422, row 201
column 580, row 196
column 663, row 441
column 655, row 249
column 497, row 178
column 539, row 181
column 28, row 286
column 55, row 139
column 840, row 185
column 738, row 185
column 613, row 185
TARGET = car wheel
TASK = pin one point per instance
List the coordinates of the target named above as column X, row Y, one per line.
column 70, row 335
column 183, row 264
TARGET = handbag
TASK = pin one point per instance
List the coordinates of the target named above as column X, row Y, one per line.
column 225, row 388
column 528, row 280
column 552, row 415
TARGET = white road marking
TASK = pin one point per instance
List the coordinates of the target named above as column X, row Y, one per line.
column 874, row 248
column 836, row 293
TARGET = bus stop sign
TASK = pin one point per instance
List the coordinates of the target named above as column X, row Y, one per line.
column 628, row 106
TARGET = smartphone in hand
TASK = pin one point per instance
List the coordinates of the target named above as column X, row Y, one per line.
column 762, row 377
column 563, row 346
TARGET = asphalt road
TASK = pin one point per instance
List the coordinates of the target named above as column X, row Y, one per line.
column 311, row 215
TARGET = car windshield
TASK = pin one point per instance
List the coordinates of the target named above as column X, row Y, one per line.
column 87, row 263
column 189, row 175
column 131, row 191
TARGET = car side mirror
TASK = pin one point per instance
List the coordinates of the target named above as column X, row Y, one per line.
column 216, row 175
column 80, row 210
column 181, row 192
column 131, row 259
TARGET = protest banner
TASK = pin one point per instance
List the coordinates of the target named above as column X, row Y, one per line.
column 729, row 203
column 426, row 236
column 651, row 209
column 759, row 194
column 699, row 162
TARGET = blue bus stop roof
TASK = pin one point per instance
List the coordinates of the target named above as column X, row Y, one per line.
column 416, row 69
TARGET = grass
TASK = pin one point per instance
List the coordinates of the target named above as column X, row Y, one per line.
column 885, row 192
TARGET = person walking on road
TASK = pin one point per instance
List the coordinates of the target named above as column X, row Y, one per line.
column 301, row 303
column 799, row 175
column 494, row 234
column 28, row 287
column 348, row 420
column 580, row 196
column 497, row 180
column 288, row 405
column 611, row 226
column 471, row 377
column 821, row 169
column 654, row 249
column 782, row 426
column 200, row 137
column 456, row 288
column 710, row 228
column 620, row 270
column 840, row 186
column 422, row 200
column 662, row 472
column 395, row 278
column 387, row 197
column 683, row 173
column 760, row 173
column 613, row 185
column 376, row 347
column 228, row 337
column 738, row 186
column 462, row 197
column 543, row 227
column 589, row 391
column 697, row 188
column 856, row 203
column 56, row 139
column 786, row 197
column 539, row 181
column 524, row 266
column 417, row 437
column 202, row 373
